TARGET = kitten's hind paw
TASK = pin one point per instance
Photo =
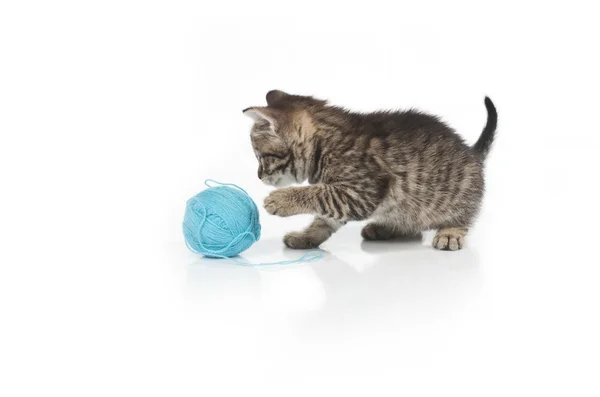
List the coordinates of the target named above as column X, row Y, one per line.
column 374, row 231
column 450, row 239
column 379, row 232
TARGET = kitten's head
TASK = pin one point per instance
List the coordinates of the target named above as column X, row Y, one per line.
column 276, row 132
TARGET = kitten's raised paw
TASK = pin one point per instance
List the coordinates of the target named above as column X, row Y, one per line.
column 373, row 231
column 301, row 240
column 451, row 239
column 280, row 202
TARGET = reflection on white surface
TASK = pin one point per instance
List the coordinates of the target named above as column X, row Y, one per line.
column 366, row 301
column 399, row 281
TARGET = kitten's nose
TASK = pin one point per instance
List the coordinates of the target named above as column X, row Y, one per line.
column 260, row 172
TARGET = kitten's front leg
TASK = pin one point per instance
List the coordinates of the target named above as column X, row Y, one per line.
column 288, row 201
column 341, row 202
column 314, row 235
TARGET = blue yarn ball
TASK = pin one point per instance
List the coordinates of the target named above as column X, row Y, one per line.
column 221, row 221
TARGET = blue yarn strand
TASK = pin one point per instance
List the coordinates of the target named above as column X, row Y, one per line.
column 310, row 256
column 207, row 183
column 222, row 221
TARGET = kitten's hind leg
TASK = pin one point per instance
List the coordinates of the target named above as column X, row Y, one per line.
column 379, row 231
column 450, row 238
column 314, row 235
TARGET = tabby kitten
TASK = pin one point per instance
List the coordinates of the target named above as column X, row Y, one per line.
column 406, row 171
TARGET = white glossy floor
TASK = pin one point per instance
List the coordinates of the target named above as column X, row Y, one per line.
column 371, row 318
column 374, row 318
column 112, row 115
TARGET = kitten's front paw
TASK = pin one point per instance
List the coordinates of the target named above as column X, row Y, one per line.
column 301, row 240
column 280, row 203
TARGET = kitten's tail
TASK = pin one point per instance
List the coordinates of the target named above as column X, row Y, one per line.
column 484, row 143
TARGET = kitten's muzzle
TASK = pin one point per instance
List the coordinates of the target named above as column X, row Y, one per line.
column 260, row 172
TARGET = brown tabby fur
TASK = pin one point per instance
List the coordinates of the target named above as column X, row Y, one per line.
column 405, row 170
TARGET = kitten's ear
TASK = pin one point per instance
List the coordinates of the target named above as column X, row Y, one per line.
column 273, row 116
column 275, row 96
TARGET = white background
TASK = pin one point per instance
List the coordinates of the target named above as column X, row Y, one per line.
column 113, row 113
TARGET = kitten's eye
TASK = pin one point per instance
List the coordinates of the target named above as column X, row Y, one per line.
column 277, row 156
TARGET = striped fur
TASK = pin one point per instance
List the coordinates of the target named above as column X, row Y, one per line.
column 407, row 171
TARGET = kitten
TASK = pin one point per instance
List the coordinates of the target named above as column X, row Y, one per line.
column 406, row 171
